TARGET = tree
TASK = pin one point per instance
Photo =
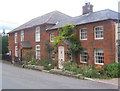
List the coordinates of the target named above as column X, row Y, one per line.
column 67, row 33
column 4, row 45
column 48, row 49
column 29, row 55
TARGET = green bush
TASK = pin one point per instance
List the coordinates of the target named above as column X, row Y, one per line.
column 89, row 71
column 75, row 68
column 34, row 62
column 107, row 71
column 29, row 55
column 67, row 65
column 113, row 70
column 38, row 62
column 49, row 64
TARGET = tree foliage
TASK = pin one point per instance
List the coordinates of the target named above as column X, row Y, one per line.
column 29, row 55
column 67, row 33
column 48, row 47
column 4, row 45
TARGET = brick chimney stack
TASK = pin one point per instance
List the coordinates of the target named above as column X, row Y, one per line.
column 87, row 8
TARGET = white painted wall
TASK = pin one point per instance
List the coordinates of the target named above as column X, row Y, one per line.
column 117, row 30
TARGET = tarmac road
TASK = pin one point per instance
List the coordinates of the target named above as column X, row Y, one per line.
column 19, row 78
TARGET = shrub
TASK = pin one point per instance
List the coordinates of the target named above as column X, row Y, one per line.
column 89, row 71
column 34, row 62
column 107, row 71
column 38, row 62
column 113, row 70
column 67, row 65
column 74, row 68
column 49, row 64
column 29, row 55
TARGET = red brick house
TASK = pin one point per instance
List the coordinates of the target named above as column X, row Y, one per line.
column 97, row 33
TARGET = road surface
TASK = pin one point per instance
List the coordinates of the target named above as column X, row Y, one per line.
column 19, row 78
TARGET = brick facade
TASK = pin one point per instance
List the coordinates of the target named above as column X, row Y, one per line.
column 108, row 43
column 49, row 23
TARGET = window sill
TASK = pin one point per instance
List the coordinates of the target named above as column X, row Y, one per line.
column 83, row 62
column 51, row 41
column 99, row 63
column 37, row 41
column 99, row 38
column 83, row 39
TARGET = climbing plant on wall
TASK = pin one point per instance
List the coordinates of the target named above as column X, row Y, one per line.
column 67, row 33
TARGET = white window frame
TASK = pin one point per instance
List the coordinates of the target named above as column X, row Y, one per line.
column 37, row 34
column 101, row 50
column 85, row 34
column 99, row 31
column 85, row 50
column 22, row 35
column 37, row 49
column 51, row 37
column 16, row 51
column 15, row 37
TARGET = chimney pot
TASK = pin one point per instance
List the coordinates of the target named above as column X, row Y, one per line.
column 87, row 8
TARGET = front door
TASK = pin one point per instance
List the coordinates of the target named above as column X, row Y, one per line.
column 60, row 56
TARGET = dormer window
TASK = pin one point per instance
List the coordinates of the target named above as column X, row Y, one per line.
column 37, row 34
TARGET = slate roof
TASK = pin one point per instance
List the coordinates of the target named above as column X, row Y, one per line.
column 89, row 18
column 49, row 18
column 60, row 19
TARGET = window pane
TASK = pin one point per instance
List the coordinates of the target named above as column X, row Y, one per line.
column 15, row 37
column 38, row 52
column 99, row 56
column 84, row 56
column 52, row 37
column 22, row 35
column 16, row 51
column 98, row 32
column 83, row 34
column 37, row 30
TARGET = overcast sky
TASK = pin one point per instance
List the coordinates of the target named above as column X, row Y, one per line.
column 16, row 12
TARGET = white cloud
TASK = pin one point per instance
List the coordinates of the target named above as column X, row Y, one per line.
column 21, row 11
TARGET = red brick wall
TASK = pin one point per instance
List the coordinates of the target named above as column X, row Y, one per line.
column 29, row 35
column 108, row 43
column 11, row 44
